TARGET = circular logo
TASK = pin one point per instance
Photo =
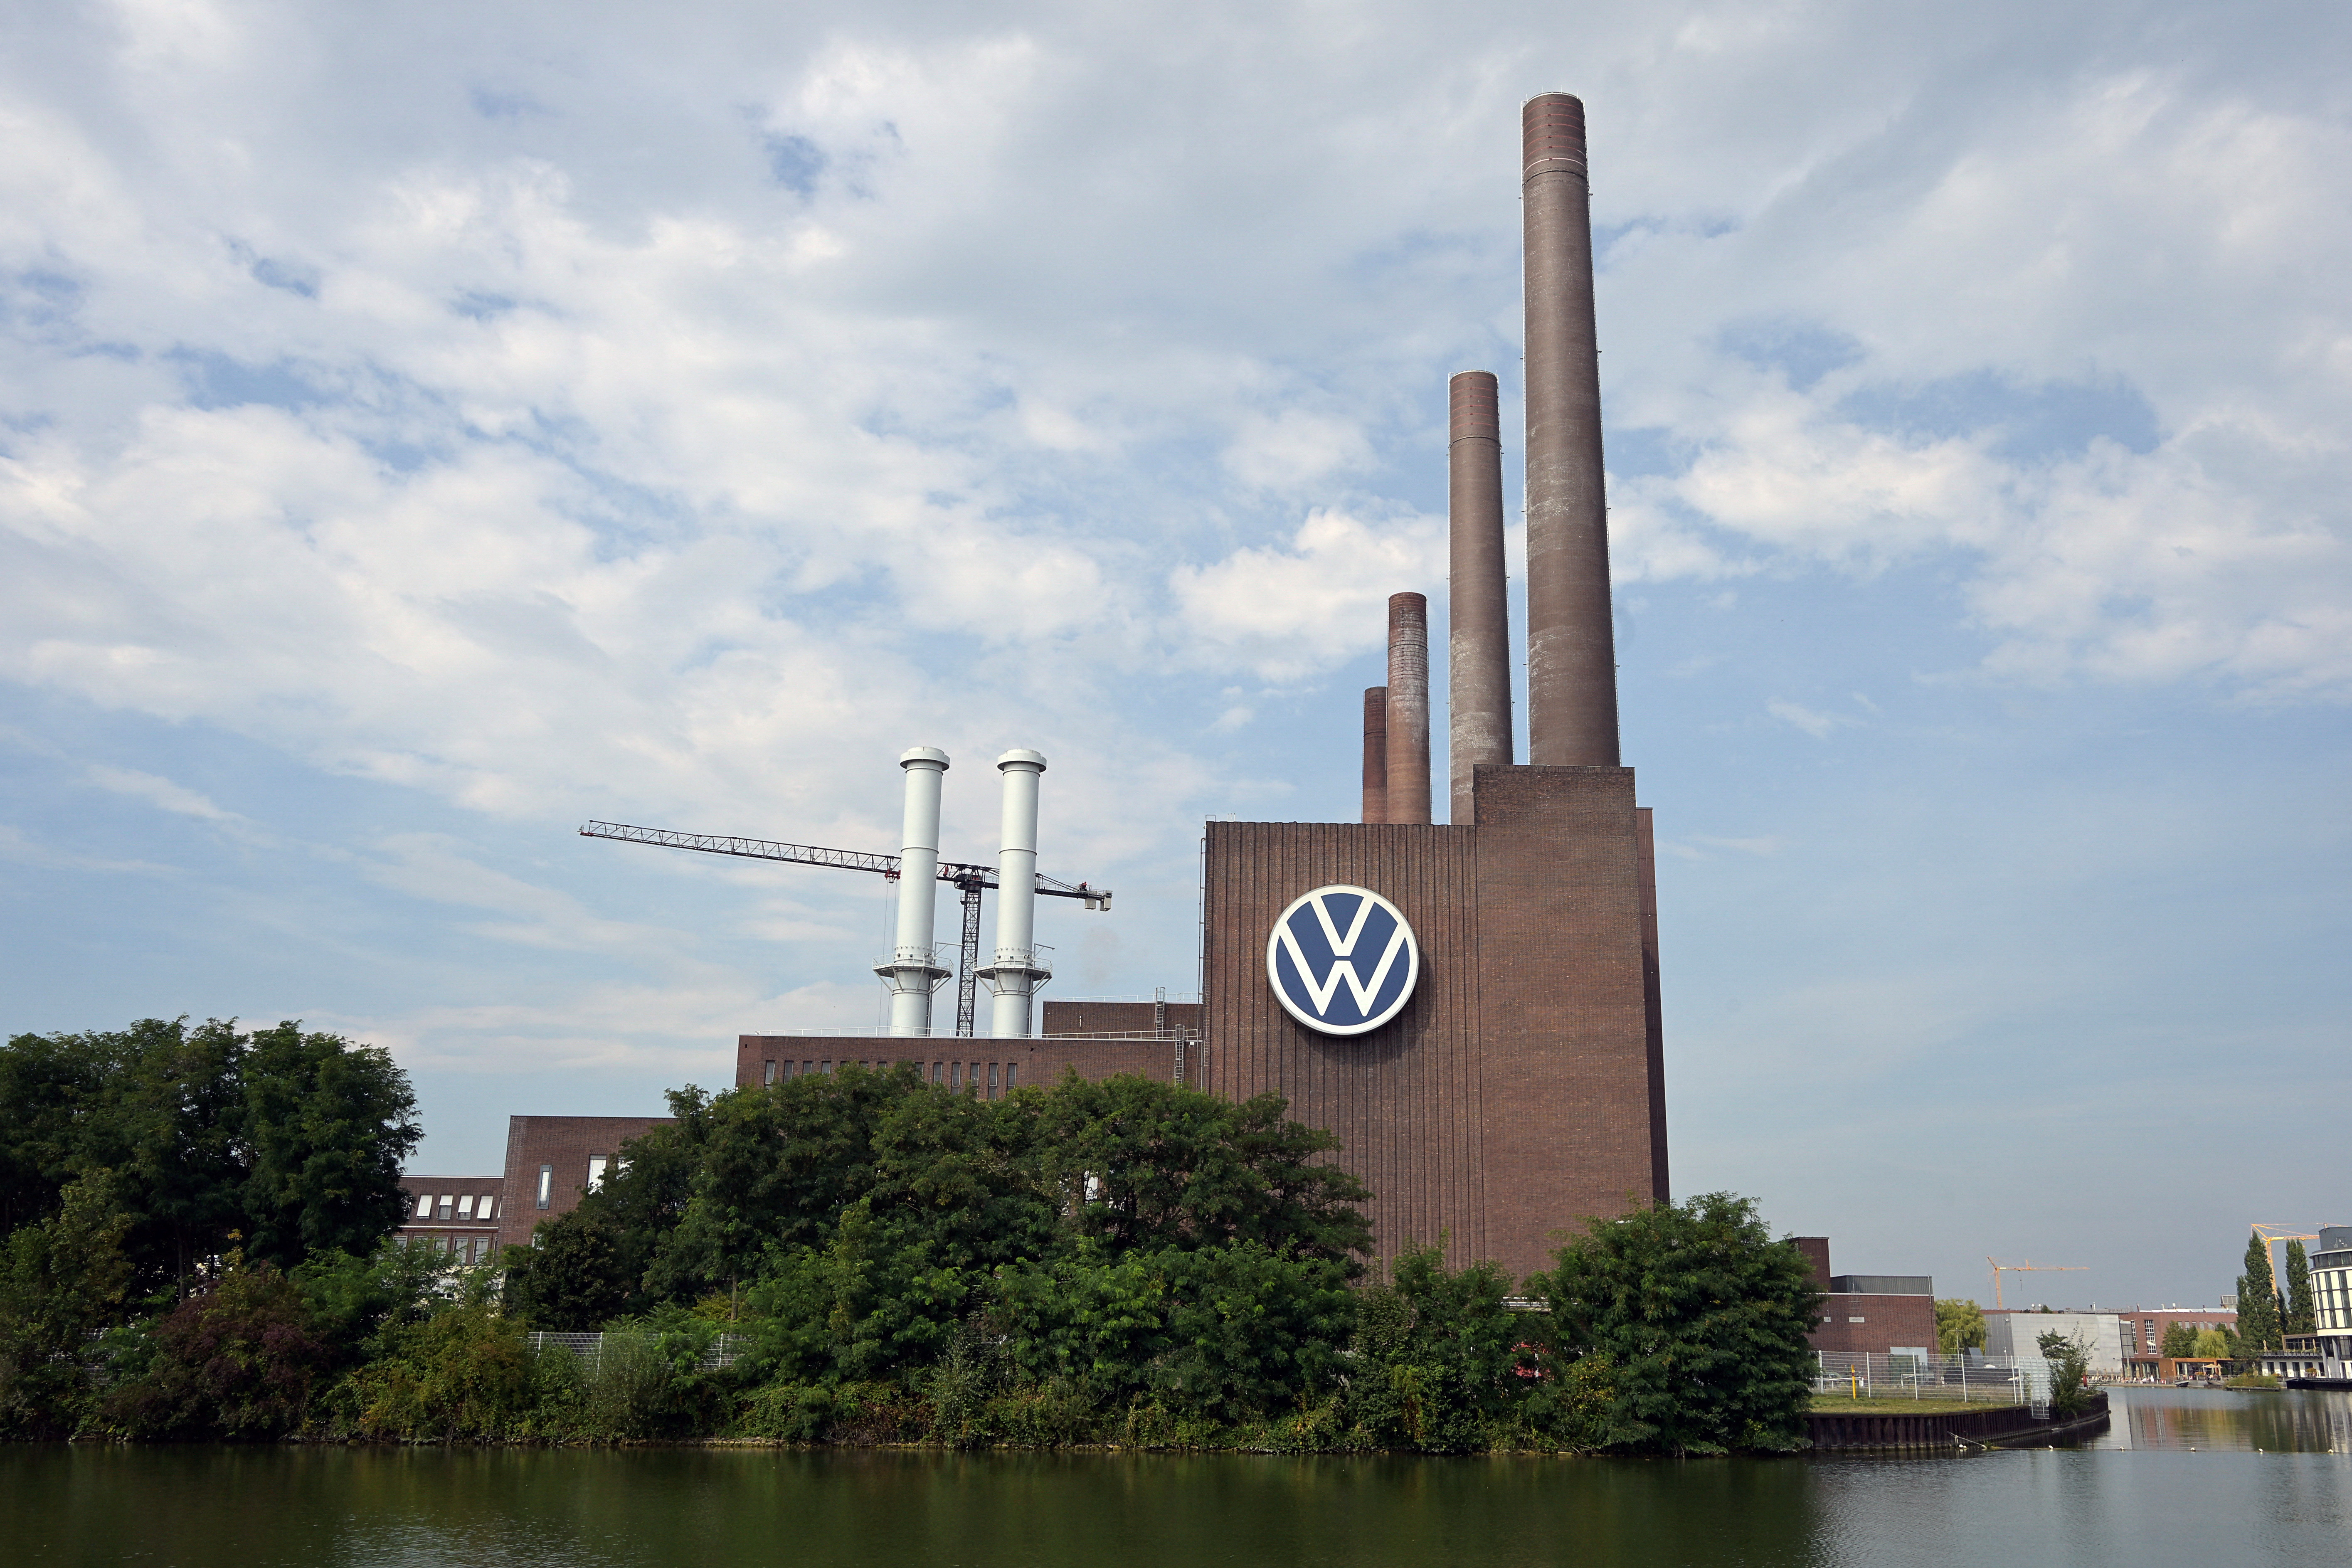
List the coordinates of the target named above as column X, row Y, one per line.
column 1342, row 960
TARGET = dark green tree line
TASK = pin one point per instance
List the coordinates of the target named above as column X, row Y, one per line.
column 290, row 1142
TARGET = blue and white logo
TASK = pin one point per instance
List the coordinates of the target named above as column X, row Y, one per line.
column 1342, row 960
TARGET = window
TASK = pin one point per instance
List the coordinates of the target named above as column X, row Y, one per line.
column 424, row 1205
column 1009, row 1069
column 596, row 1163
column 824, row 1067
column 992, row 1081
column 807, row 1068
column 486, row 1207
column 955, row 1075
column 771, row 1073
column 939, row 1072
column 546, row 1185
column 444, row 1211
column 466, row 1207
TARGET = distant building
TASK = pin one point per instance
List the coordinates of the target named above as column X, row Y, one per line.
column 552, row 1163
column 2142, row 1332
column 2017, row 1335
column 453, row 1214
column 1880, row 1314
column 2325, row 1355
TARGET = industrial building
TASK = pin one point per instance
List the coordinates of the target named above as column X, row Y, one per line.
column 1500, row 1076
column 1470, row 1006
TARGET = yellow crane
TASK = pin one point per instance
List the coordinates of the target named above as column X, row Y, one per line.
column 2029, row 1267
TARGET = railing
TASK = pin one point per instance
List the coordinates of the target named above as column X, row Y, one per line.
column 722, row 1351
column 1969, row 1379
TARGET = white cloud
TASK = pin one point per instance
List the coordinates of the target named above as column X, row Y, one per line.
column 1290, row 611
column 161, row 792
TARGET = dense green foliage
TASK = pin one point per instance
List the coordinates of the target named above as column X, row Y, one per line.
column 2069, row 1356
column 279, row 1142
column 2258, row 1309
column 1126, row 1262
column 2302, row 1312
column 1960, row 1326
column 1702, row 1318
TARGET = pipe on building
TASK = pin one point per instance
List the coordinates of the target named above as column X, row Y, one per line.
column 1408, row 723
column 1572, row 654
column 1376, row 754
column 1015, row 976
column 1478, row 655
column 914, row 971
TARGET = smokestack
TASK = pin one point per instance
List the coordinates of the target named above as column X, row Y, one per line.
column 1407, row 727
column 913, row 972
column 1571, row 655
column 1014, row 976
column 1376, row 754
column 1478, row 658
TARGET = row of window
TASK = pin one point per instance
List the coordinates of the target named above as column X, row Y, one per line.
column 2332, row 1290
column 463, row 1248
column 952, row 1075
column 446, row 1206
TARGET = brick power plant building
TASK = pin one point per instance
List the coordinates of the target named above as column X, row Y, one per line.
column 1472, row 1006
column 1503, row 1076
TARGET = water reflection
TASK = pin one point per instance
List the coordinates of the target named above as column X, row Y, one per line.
column 256, row 1507
column 2289, row 1421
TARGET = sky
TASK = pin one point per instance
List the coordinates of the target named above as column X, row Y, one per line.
column 426, row 429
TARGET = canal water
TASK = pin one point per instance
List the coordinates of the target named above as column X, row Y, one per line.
column 2180, row 1477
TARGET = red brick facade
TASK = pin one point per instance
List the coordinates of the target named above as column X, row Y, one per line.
column 1876, row 1323
column 1522, row 1089
column 563, row 1149
column 457, row 1215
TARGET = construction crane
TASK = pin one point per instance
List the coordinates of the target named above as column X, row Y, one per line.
column 967, row 879
column 2029, row 1267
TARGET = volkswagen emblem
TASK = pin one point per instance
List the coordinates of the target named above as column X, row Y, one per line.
column 1342, row 960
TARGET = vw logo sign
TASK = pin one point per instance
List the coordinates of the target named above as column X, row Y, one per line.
column 1342, row 960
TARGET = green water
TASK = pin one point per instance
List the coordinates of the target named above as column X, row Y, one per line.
column 2137, row 1501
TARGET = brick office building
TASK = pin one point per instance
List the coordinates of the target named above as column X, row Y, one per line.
column 554, row 1161
column 454, row 1214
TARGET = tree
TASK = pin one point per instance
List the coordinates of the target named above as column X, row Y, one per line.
column 287, row 1139
column 61, row 1284
column 2302, row 1312
column 2258, row 1313
column 2069, row 1357
column 2179, row 1340
column 1440, row 1357
column 1960, row 1326
column 2212, row 1343
column 239, row 1361
column 325, row 1125
column 1702, row 1318
column 1142, row 1165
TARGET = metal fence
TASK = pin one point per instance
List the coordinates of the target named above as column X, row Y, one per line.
column 722, row 1351
column 1974, row 1380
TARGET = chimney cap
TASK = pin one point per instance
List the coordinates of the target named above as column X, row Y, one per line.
column 1018, row 758
column 916, row 756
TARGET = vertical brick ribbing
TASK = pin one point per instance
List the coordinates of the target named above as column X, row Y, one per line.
column 1519, row 1091
column 1404, row 1099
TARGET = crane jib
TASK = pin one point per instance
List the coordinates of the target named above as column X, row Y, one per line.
column 953, row 872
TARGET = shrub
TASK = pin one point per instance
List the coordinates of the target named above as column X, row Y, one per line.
column 241, row 1362
column 1702, row 1318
